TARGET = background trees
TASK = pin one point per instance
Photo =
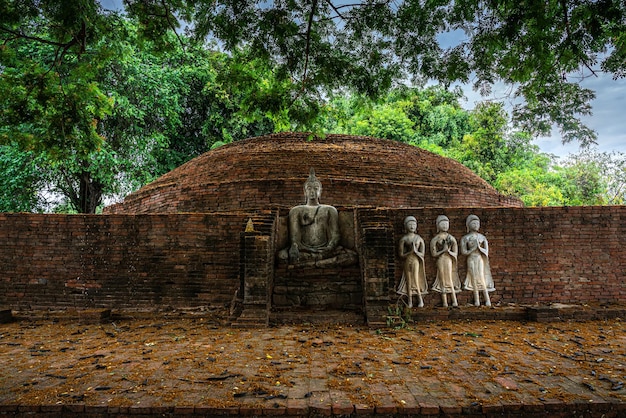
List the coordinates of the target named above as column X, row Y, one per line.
column 103, row 122
column 482, row 139
column 95, row 103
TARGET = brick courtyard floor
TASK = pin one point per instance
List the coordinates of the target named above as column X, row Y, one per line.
column 194, row 366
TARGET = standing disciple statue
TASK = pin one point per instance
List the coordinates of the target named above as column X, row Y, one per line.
column 411, row 250
column 474, row 245
column 444, row 248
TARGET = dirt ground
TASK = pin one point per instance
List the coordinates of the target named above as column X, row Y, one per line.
column 193, row 360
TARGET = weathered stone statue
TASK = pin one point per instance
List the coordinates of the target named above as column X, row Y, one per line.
column 474, row 245
column 411, row 250
column 314, row 231
column 444, row 248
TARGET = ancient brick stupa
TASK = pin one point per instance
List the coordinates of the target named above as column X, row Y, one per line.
column 268, row 171
column 217, row 233
column 263, row 177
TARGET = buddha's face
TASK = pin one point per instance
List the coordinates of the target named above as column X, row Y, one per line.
column 444, row 225
column 411, row 226
column 474, row 225
column 312, row 190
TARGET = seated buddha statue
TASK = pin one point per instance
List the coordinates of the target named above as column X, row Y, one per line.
column 314, row 231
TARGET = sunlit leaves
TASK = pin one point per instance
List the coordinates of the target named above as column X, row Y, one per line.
column 535, row 186
column 388, row 122
column 42, row 111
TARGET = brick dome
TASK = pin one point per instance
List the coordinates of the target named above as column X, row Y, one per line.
column 269, row 172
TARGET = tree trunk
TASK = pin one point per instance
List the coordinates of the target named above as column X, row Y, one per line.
column 89, row 194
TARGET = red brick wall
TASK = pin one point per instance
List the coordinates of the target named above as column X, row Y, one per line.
column 537, row 255
column 569, row 255
column 129, row 261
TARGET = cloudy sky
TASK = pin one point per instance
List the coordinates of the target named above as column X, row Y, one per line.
column 608, row 119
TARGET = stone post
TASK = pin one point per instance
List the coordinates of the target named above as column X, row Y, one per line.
column 256, row 279
column 378, row 258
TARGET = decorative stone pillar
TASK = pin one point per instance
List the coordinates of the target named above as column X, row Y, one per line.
column 257, row 274
column 377, row 261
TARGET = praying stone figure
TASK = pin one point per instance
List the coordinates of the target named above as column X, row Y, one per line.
column 314, row 232
column 444, row 248
column 474, row 245
column 411, row 250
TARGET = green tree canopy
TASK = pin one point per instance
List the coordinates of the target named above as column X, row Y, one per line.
column 541, row 48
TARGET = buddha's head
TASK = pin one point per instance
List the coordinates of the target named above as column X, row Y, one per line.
column 312, row 187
